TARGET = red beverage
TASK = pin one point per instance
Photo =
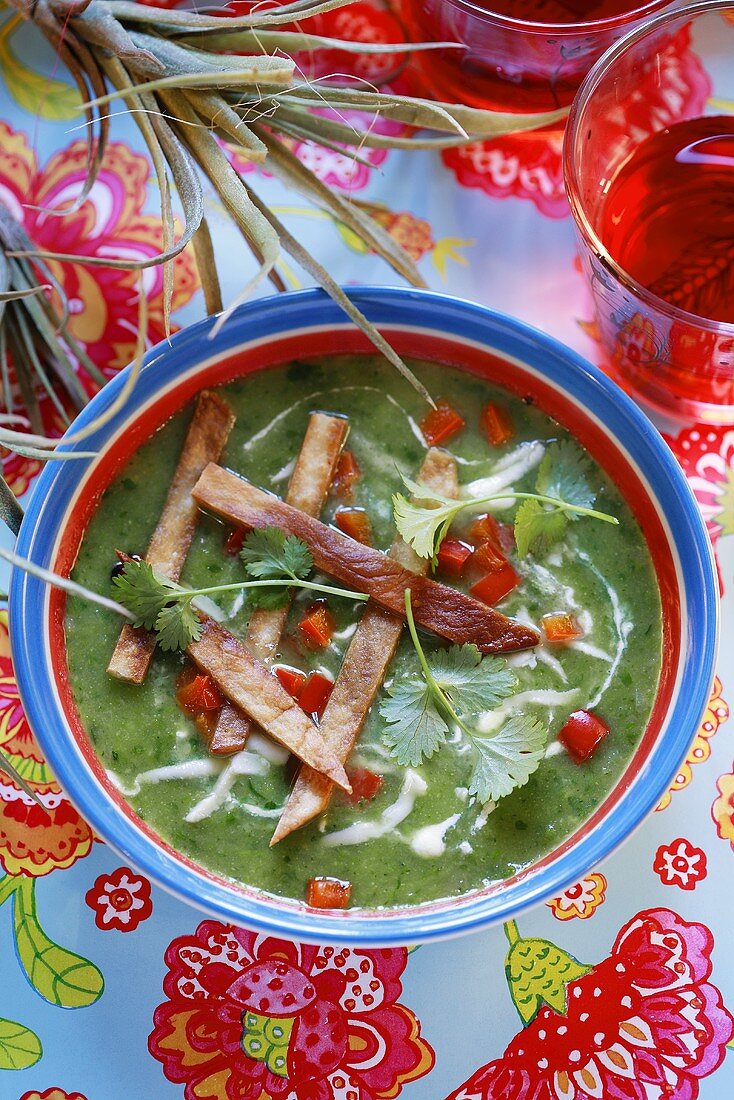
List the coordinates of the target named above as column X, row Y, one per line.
column 519, row 55
column 668, row 216
column 561, row 11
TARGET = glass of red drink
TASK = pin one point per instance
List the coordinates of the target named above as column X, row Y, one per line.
column 654, row 211
column 520, row 55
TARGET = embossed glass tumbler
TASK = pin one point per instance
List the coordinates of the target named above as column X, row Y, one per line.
column 519, row 55
column 653, row 202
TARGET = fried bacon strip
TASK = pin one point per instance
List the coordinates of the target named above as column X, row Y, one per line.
column 249, row 686
column 443, row 610
column 309, row 485
column 205, row 440
column 363, row 670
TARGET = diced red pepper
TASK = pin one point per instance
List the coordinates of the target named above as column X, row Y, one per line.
column 292, row 679
column 485, row 529
column 354, row 522
column 199, row 694
column 315, row 694
column 561, row 627
column 489, row 557
column 440, row 424
column 206, row 723
column 317, row 626
column 453, row 554
column 497, row 424
column 495, row 586
column 328, row 893
column 346, row 474
column 582, row 734
column 235, row 542
column 365, row 785
column 488, row 529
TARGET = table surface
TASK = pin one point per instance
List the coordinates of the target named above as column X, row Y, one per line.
column 97, row 964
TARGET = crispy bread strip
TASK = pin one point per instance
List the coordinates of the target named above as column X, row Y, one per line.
column 443, row 610
column 230, row 733
column 208, row 432
column 363, row 669
column 249, row 685
column 309, row 484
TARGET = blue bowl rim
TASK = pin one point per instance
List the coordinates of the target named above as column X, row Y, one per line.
column 464, row 321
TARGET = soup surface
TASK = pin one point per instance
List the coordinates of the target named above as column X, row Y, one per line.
column 426, row 837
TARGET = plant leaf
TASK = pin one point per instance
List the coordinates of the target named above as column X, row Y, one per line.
column 423, row 528
column 19, row 1046
column 60, row 976
column 472, row 682
column 415, row 727
column 177, row 626
column 269, row 554
column 507, row 758
column 537, row 528
column 564, row 473
column 143, row 592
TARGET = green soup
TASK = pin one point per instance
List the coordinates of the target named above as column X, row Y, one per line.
column 421, row 837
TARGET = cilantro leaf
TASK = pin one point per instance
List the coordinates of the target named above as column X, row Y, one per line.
column 423, row 527
column 473, row 683
column 564, row 474
column 177, row 625
column 416, row 729
column 508, row 758
column 537, row 528
column 144, row 592
column 270, row 554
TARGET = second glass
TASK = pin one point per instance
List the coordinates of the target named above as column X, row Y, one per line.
column 520, row 56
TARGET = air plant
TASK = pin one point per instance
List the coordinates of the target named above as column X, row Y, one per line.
column 193, row 81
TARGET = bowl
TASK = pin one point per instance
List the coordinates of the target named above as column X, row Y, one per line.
column 422, row 324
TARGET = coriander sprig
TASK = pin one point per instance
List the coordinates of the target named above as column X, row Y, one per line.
column 455, row 685
column 563, row 494
column 277, row 563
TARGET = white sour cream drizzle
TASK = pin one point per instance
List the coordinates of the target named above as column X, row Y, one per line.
column 508, row 470
column 188, row 769
column 621, row 625
column 361, row 831
column 429, row 841
column 244, row 763
column 491, row 720
column 316, row 397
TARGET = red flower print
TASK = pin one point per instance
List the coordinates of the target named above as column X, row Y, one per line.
column 706, row 453
column 52, row 1094
column 103, row 302
column 645, row 1022
column 32, row 842
column 249, row 1016
column 529, row 165
column 359, row 22
column 120, row 900
column 680, row 864
column 580, row 900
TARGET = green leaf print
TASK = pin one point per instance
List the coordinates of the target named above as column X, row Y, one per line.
column 35, row 92
column 19, row 1046
column 538, row 974
column 60, row 976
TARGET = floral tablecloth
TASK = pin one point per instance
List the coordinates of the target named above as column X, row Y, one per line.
column 110, row 989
